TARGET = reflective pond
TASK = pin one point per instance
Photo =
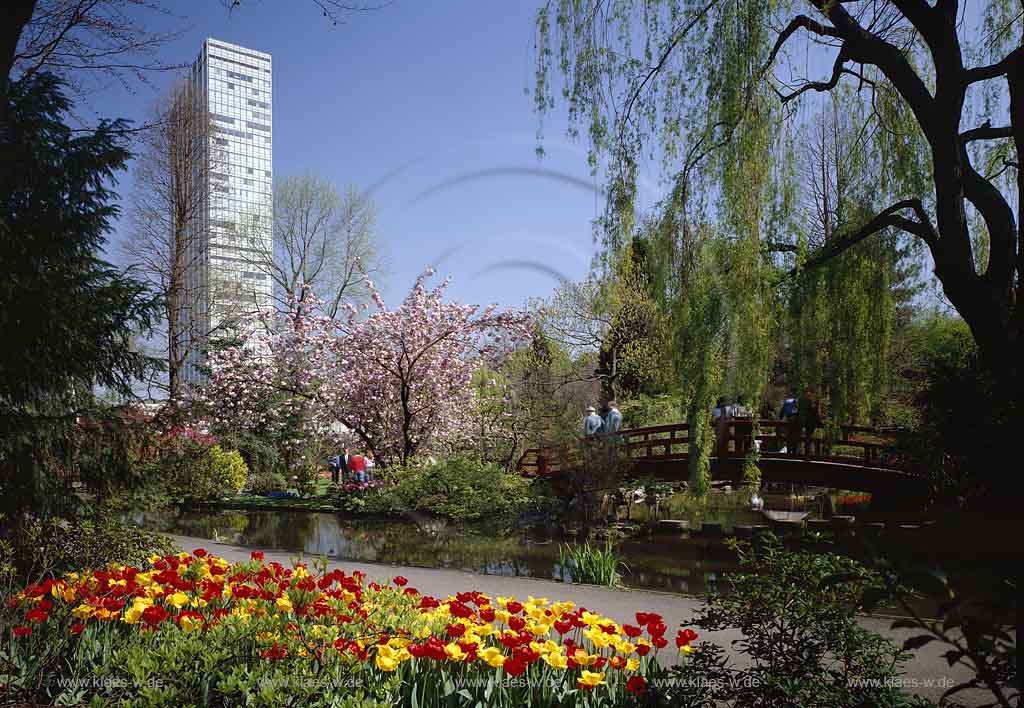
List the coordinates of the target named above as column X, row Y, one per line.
column 670, row 561
column 667, row 562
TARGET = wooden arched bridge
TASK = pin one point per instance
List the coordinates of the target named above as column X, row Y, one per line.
column 860, row 458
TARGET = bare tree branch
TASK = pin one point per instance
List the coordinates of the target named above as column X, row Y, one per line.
column 886, row 219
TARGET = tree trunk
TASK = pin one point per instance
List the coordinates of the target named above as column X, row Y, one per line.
column 18, row 13
column 607, row 372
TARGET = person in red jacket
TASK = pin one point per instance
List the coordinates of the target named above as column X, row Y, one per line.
column 357, row 466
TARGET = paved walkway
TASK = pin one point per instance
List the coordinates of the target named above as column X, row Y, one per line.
column 923, row 675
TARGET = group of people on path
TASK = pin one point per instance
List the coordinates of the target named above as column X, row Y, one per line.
column 348, row 467
column 594, row 424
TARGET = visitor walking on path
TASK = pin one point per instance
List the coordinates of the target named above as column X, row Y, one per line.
column 592, row 423
column 370, row 464
column 613, row 421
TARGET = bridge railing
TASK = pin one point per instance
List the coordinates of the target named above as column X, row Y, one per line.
column 868, row 446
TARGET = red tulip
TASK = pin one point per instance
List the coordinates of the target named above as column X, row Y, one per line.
column 636, row 685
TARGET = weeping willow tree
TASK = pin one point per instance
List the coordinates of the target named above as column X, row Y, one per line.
column 716, row 96
column 841, row 315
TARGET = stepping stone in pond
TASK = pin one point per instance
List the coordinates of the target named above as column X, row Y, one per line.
column 674, row 525
column 841, row 520
column 819, row 525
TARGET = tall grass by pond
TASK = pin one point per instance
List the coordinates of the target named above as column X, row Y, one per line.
column 592, row 564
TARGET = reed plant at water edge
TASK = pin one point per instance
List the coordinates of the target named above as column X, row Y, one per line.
column 592, row 564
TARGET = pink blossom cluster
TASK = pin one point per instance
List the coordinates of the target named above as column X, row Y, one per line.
column 400, row 381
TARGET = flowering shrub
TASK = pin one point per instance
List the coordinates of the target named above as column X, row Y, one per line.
column 357, row 487
column 853, row 500
column 194, row 628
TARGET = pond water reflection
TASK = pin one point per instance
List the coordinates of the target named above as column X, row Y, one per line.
column 670, row 562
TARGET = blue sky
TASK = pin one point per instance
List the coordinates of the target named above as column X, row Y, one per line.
column 428, row 103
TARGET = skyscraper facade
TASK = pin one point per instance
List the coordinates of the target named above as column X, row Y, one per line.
column 234, row 232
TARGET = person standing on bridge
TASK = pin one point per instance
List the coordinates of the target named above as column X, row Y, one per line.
column 613, row 420
column 788, row 415
column 809, row 416
column 592, row 423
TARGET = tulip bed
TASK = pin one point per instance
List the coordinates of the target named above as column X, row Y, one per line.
column 197, row 629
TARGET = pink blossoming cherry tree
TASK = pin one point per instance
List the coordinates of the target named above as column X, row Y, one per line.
column 399, row 380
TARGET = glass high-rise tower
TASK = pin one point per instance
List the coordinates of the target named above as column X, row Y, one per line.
column 234, row 232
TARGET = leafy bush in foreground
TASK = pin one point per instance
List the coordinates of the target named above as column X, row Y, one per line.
column 195, row 629
column 799, row 633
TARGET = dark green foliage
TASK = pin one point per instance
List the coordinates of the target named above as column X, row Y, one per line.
column 67, row 316
column 966, row 430
column 264, row 482
column 800, row 635
column 461, row 487
column 973, row 632
column 260, row 456
column 52, row 547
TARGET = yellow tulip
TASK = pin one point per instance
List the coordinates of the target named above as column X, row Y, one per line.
column 386, row 663
column 454, row 652
column 177, row 600
column 556, row 660
column 632, row 664
column 284, row 604
column 624, row 647
column 537, row 600
column 82, row 611
column 582, row 658
column 538, row 630
column 590, row 678
column 190, row 624
column 590, row 619
column 493, row 657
